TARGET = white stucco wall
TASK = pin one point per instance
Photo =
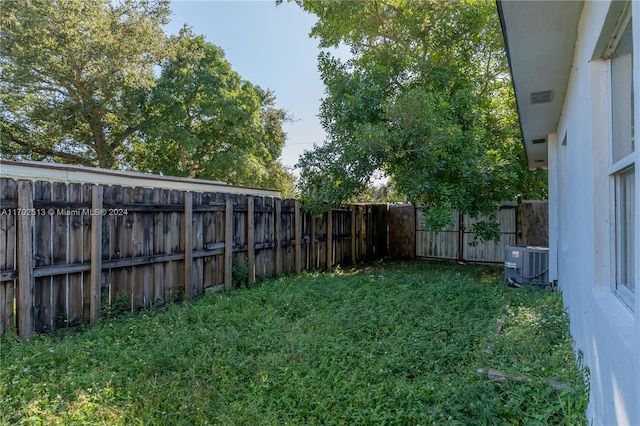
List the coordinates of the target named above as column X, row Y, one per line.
column 604, row 330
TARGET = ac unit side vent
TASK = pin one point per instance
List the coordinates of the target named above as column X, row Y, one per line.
column 537, row 141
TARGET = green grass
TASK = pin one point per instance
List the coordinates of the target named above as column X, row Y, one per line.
column 390, row 344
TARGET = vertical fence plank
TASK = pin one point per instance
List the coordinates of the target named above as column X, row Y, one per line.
column 137, row 238
column 4, row 314
column 352, row 208
column 108, row 248
column 251, row 248
column 305, row 241
column 95, row 276
column 461, row 230
column 42, row 256
column 127, row 234
column 77, row 233
column 59, row 256
column 8, row 240
column 188, row 243
column 260, row 217
column 176, row 240
column 370, row 232
column 148, row 237
column 329, row 239
column 363, row 233
column 312, row 241
column 197, row 243
column 240, row 232
column 26, row 282
column 298, row 237
column 228, row 244
column 107, row 251
column 208, row 238
column 158, row 246
column 277, row 237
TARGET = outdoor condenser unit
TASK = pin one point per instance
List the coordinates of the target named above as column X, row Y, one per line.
column 526, row 265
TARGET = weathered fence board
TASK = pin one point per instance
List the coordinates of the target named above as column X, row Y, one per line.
column 441, row 245
column 523, row 224
column 96, row 245
column 25, row 299
column 533, row 219
column 8, row 266
column 402, row 230
column 88, row 244
column 490, row 251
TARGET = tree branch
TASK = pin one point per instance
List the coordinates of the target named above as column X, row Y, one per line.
column 31, row 148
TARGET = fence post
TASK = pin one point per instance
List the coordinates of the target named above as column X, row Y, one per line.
column 460, row 237
column 385, row 230
column 353, row 233
column 251, row 249
column 312, row 240
column 416, row 227
column 188, row 243
column 329, row 239
column 95, row 276
column 363, row 233
column 26, row 282
column 228, row 245
column 278, row 224
column 298, row 237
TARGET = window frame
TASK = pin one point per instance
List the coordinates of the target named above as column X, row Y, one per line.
column 617, row 169
column 621, row 240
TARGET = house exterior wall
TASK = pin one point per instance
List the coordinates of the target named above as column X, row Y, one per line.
column 605, row 331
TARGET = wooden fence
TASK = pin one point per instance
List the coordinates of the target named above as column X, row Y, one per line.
column 523, row 223
column 402, row 230
column 532, row 223
column 68, row 247
column 74, row 242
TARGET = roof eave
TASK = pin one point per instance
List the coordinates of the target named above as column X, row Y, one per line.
column 539, row 39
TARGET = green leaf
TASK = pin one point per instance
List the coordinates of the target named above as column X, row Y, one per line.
column 425, row 99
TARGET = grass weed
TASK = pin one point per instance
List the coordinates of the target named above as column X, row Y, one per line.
column 396, row 343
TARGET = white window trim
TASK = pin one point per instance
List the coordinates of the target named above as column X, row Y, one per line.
column 622, row 292
column 628, row 298
column 622, row 164
column 617, row 32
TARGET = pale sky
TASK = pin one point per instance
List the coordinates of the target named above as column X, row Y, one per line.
column 268, row 45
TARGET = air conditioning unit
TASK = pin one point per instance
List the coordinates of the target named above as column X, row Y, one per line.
column 526, row 265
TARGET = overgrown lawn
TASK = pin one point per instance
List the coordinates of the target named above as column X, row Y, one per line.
column 391, row 344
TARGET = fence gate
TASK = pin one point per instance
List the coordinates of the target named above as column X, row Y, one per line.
column 454, row 241
column 402, row 230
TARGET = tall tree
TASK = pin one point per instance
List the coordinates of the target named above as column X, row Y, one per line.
column 206, row 122
column 73, row 75
column 425, row 98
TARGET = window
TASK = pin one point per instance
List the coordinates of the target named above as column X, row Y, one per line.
column 622, row 169
column 622, row 96
column 625, row 232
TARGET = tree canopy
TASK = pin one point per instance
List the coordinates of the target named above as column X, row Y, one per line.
column 71, row 74
column 99, row 83
column 206, row 122
column 425, row 98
